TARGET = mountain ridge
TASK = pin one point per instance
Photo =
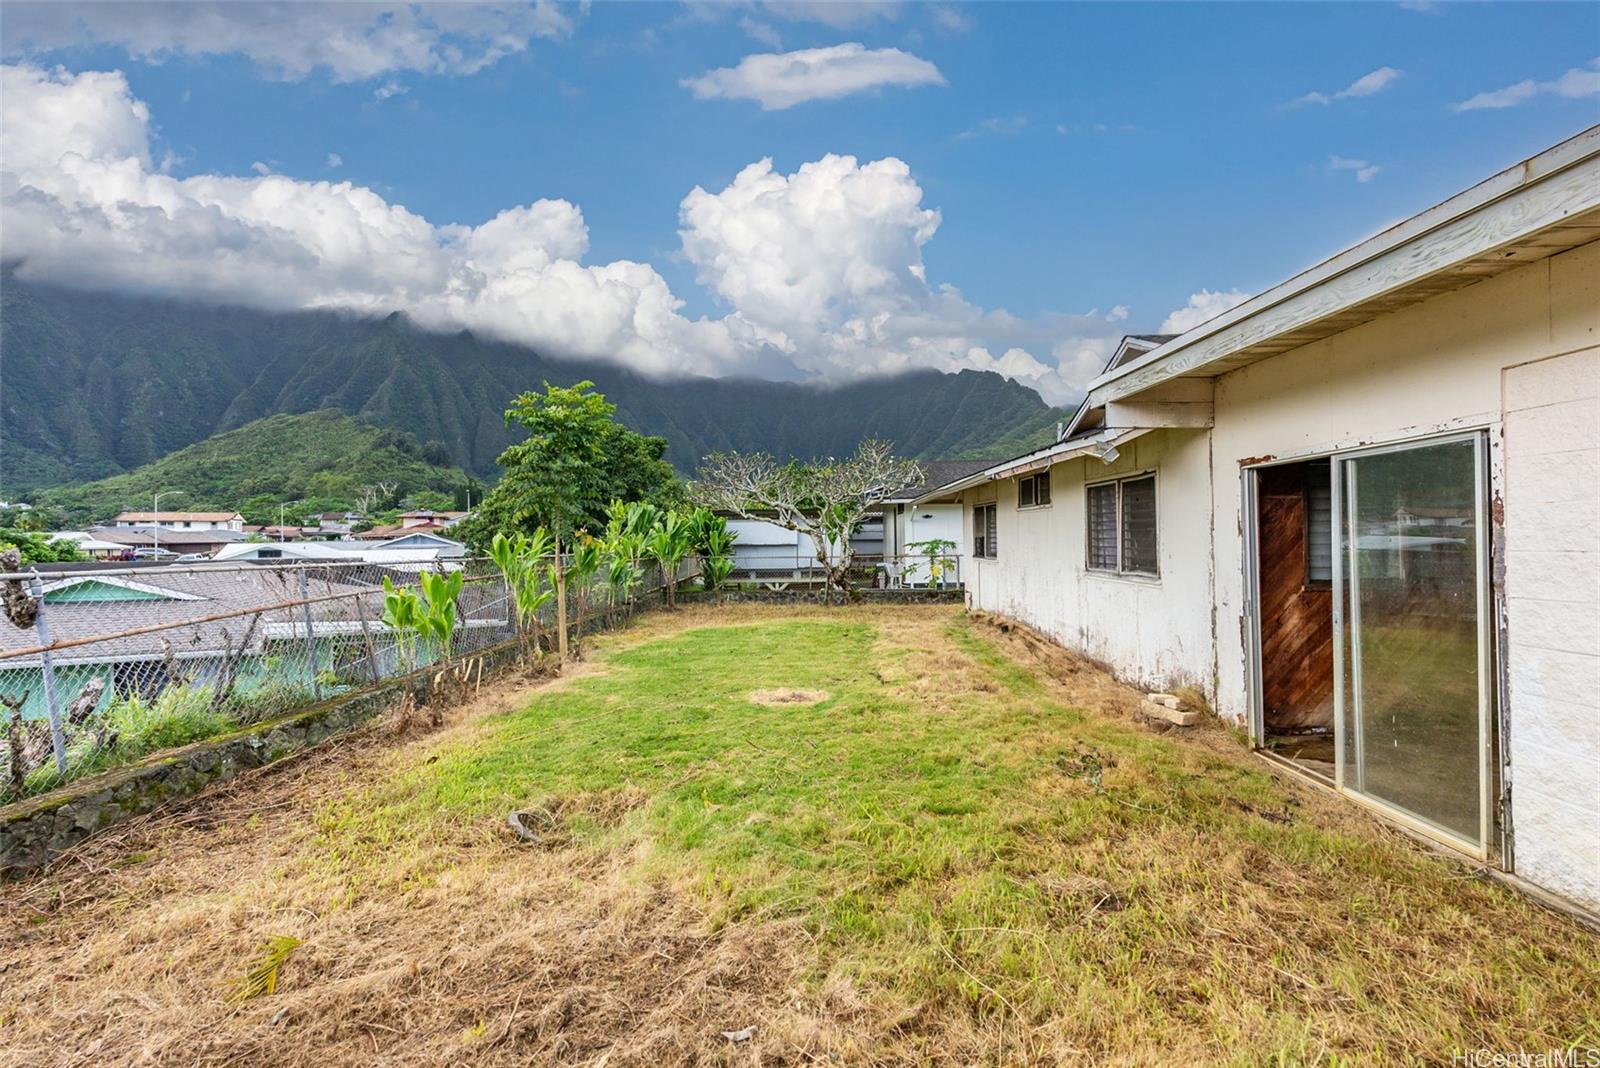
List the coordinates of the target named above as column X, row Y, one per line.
column 95, row 384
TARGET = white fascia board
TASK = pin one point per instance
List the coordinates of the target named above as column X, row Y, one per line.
column 1519, row 201
column 1037, row 460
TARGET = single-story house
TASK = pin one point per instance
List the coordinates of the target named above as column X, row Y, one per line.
column 202, row 541
column 910, row 527
column 1360, row 513
column 260, row 653
column 767, row 552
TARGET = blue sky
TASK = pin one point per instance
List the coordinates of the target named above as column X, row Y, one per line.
column 1081, row 158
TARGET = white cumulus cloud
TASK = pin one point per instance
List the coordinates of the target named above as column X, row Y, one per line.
column 1575, row 84
column 1201, row 307
column 821, row 270
column 1366, row 85
column 778, row 80
column 1364, row 171
column 351, row 41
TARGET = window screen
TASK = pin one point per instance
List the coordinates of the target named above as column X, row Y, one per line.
column 1102, row 523
column 1139, row 526
column 1319, row 527
column 983, row 531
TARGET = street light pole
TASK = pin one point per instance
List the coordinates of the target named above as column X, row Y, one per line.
column 156, row 526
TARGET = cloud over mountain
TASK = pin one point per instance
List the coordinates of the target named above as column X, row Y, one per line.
column 821, row 270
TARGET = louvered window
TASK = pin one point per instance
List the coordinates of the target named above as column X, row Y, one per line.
column 1103, row 527
column 984, row 540
column 1319, row 527
column 1121, row 526
column 1034, row 490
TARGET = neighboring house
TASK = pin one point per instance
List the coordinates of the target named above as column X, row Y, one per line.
column 422, row 520
column 94, row 547
column 444, row 548
column 182, row 542
column 401, row 557
column 907, row 523
column 1358, row 512
column 87, row 604
column 269, row 652
column 182, row 520
column 764, row 550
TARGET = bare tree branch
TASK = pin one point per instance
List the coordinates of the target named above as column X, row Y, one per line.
column 825, row 500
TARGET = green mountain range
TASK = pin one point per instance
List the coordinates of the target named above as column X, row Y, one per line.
column 96, row 384
column 323, row 456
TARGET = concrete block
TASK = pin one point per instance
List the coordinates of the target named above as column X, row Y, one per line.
column 1181, row 717
column 1165, row 699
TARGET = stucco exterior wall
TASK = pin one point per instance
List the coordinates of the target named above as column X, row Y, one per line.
column 1552, row 602
column 1432, row 367
column 1154, row 631
column 1518, row 355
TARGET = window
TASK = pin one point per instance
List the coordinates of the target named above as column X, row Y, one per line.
column 1319, row 527
column 1034, row 490
column 1121, row 526
column 1103, row 527
column 983, row 531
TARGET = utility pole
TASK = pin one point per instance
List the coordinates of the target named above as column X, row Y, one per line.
column 156, row 526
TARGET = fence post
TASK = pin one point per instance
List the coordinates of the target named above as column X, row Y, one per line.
column 311, row 638
column 366, row 639
column 58, row 738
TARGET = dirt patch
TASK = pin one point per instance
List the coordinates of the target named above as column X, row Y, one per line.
column 784, row 696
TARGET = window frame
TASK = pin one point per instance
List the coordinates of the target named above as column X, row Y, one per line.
column 1034, row 480
column 990, row 549
column 1121, row 570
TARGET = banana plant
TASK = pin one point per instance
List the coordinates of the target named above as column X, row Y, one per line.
column 521, row 562
column 717, row 563
column 583, row 564
column 439, row 620
column 403, row 613
column 667, row 545
column 622, row 571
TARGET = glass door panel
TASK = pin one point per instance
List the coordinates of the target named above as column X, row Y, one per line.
column 1412, row 597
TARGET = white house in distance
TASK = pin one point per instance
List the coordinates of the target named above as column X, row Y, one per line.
column 182, row 520
column 1361, row 512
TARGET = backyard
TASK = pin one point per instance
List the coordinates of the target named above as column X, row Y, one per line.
column 782, row 835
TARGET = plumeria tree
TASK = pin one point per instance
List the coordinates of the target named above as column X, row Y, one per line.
column 825, row 500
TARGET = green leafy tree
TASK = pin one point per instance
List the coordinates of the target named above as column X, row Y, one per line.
column 574, row 460
column 37, row 549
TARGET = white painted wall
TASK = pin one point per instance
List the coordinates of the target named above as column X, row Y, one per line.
column 1156, row 631
column 1552, row 582
column 1515, row 355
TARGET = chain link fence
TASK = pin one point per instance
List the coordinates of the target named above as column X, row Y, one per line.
column 119, row 663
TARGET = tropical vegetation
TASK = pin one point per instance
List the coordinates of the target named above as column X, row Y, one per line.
column 97, row 384
column 323, row 461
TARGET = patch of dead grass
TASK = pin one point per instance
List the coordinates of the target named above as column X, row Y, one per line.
column 1121, row 916
column 788, row 696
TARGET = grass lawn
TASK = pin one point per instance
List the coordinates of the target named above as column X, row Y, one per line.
column 925, row 841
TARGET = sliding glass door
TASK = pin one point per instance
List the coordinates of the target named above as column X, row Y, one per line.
column 1411, row 626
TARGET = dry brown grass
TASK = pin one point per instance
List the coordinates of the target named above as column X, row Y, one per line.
column 1127, row 916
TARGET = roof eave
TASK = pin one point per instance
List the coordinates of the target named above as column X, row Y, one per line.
column 1540, row 193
